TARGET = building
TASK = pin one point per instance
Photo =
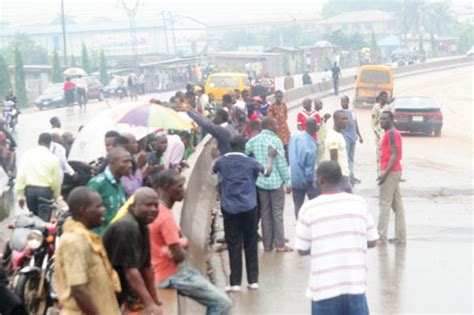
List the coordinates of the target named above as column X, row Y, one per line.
column 293, row 58
column 37, row 79
column 363, row 22
column 253, row 63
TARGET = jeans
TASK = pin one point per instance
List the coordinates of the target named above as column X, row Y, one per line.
column 336, row 86
column 81, row 97
column 189, row 282
column 39, row 208
column 300, row 194
column 346, row 304
column 272, row 203
column 242, row 227
column 350, row 157
column 390, row 198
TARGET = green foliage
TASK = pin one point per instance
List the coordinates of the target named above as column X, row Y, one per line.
column 5, row 83
column 32, row 53
column 466, row 39
column 104, row 77
column 85, row 59
column 373, row 42
column 433, row 45
column 20, row 82
column 56, row 73
column 346, row 42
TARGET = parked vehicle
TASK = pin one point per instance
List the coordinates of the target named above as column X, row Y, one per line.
column 222, row 83
column 10, row 114
column 116, row 88
column 95, row 89
column 371, row 80
column 53, row 96
column 470, row 52
column 417, row 114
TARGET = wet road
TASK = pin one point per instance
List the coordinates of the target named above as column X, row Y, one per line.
column 433, row 273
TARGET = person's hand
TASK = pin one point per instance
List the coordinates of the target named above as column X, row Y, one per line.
column 149, row 170
column 361, row 140
column 21, row 203
column 152, row 309
column 142, row 159
column 381, row 179
column 272, row 153
column 215, row 153
column 288, row 189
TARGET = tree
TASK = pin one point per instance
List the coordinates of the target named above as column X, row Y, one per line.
column 5, row 83
column 32, row 53
column 85, row 59
column 20, row 83
column 104, row 77
column 346, row 42
column 466, row 39
column 433, row 45
column 57, row 74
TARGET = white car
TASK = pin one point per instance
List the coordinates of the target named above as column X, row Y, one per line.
column 470, row 52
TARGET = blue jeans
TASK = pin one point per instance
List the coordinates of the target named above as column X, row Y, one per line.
column 346, row 304
column 350, row 157
column 299, row 195
column 189, row 282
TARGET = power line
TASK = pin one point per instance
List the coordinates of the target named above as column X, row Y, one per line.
column 132, row 13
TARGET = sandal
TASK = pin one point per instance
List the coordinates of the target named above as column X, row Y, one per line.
column 285, row 249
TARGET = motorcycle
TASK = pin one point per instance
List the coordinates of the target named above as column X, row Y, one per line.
column 29, row 260
column 10, row 114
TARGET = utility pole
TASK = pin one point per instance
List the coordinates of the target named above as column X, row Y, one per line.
column 63, row 24
column 170, row 16
column 165, row 29
column 132, row 13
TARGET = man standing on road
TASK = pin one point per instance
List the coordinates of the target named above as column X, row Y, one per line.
column 307, row 78
column 127, row 242
column 279, row 111
column 306, row 113
column 289, row 82
column 389, row 181
column 108, row 184
column 303, row 151
column 87, row 282
column 336, row 149
column 271, row 192
column 323, row 129
column 336, row 229
column 238, row 193
column 351, row 132
column 377, row 110
column 168, row 250
column 336, row 74
column 38, row 178
column 81, row 88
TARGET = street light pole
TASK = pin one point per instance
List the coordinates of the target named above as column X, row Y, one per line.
column 63, row 24
column 132, row 12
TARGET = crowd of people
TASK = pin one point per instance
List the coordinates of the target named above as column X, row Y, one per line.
column 122, row 240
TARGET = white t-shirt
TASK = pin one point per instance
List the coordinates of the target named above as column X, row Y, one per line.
column 335, row 140
column 336, row 229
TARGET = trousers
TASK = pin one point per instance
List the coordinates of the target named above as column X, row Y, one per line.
column 272, row 203
column 242, row 228
column 350, row 157
column 33, row 196
column 346, row 304
column 299, row 196
column 390, row 198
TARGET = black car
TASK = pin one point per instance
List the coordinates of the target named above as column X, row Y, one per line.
column 417, row 114
column 53, row 96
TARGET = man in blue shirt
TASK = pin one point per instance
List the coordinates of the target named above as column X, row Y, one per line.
column 303, row 151
column 238, row 193
column 350, row 133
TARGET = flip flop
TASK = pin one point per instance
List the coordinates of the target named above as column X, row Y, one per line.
column 285, row 249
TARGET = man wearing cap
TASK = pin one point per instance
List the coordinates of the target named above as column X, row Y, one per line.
column 256, row 114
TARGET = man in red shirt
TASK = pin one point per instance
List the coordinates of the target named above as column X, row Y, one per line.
column 389, row 181
column 168, row 249
column 305, row 114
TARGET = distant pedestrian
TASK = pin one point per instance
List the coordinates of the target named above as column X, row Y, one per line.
column 336, row 75
column 132, row 83
column 279, row 111
column 336, row 229
column 389, row 180
column 81, row 91
column 238, row 193
column 127, row 242
column 351, row 134
column 68, row 88
column 38, row 178
column 377, row 110
column 307, row 78
column 271, row 190
column 289, row 82
column 323, row 129
column 141, row 83
column 336, row 148
column 303, row 151
column 86, row 280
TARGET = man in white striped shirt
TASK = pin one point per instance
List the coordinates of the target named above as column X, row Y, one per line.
column 336, row 229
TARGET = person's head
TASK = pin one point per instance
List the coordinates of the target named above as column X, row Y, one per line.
column 288, row 74
column 221, row 116
column 386, row 120
column 55, row 122
column 311, row 125
column 237, row 94
column 318, row 104
column 180, row 96
column 145, row 205
column 307, row 104
column 335, row 63
column 382, row 98
column 227, row 100
column 212, row 97
column 110, row 139
column 132, row 145
column 68, row 137
column 68, row 79
column 190, row 98
column 56, row 137
column 170, row 185
column 119, row 162
column 345, row 102
column 45, row 139
column 278, row 96
column 121, row 141
column 161, row 143
column 86, row 207
column 246, row 95
column 340, row 120
column 328, row 176
column 189, row 87
column 80, row 76
column 256, row 102
column 269, row 123
column 237, row 144
column 185, row 137
column 255, row 127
